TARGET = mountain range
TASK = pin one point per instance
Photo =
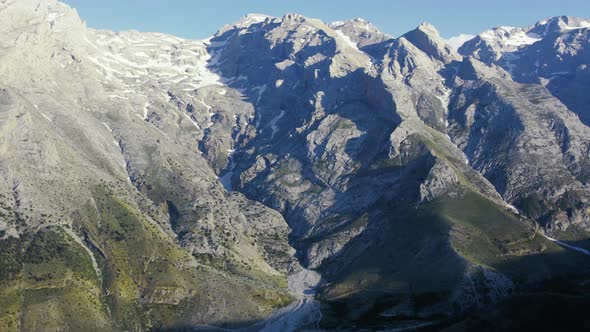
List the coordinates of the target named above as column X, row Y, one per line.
column 290, row 174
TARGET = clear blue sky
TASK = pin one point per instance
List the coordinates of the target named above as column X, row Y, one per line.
column 201, row 18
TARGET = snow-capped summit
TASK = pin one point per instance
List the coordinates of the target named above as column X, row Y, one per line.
column 554, row 52
column 491, row 44
column 559, row 24
column 502, row 39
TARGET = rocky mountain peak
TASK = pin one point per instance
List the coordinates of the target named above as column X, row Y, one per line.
column 357, row 23
column 41, row 15
column 246, row 22
column 38, row 36
column 428, row 28
column 427, row 38
column 30, row 4
column 360, row 31
column 49, row 10
column 295, row 17
column 490, row 45
column 162, row 176
column 559, row 24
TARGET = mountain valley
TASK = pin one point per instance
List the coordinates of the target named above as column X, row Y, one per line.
column 290, row 174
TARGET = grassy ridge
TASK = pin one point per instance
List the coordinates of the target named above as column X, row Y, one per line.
column 424, row 255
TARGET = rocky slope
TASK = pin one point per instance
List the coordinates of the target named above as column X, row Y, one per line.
column 392, row 156
column 538, row 73
column 139, row 171
column 111, row 218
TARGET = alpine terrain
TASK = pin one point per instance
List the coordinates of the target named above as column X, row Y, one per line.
column 288, row 174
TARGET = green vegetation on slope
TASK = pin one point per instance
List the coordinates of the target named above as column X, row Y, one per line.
column 423, row 256
column 145, row 279
column 58, row 287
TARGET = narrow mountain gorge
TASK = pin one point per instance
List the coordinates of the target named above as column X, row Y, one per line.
column 288, row 174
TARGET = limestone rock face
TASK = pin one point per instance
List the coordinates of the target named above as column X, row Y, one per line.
column 360, row 134
column 439, row 181
column 153, row 182
column 109, row 197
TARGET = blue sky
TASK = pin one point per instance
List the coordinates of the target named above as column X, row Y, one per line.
column 201, row 18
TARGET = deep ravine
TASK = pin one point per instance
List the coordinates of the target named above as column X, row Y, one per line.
column 304, row 312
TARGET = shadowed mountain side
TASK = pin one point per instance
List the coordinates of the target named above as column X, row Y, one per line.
column 412, row 276
column 139, row 173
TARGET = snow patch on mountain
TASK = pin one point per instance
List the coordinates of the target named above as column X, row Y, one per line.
column 145, row 110
column 347, row 40
column 509, row 36
column 53, row 16
column 145, row 57
column 522, row 38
